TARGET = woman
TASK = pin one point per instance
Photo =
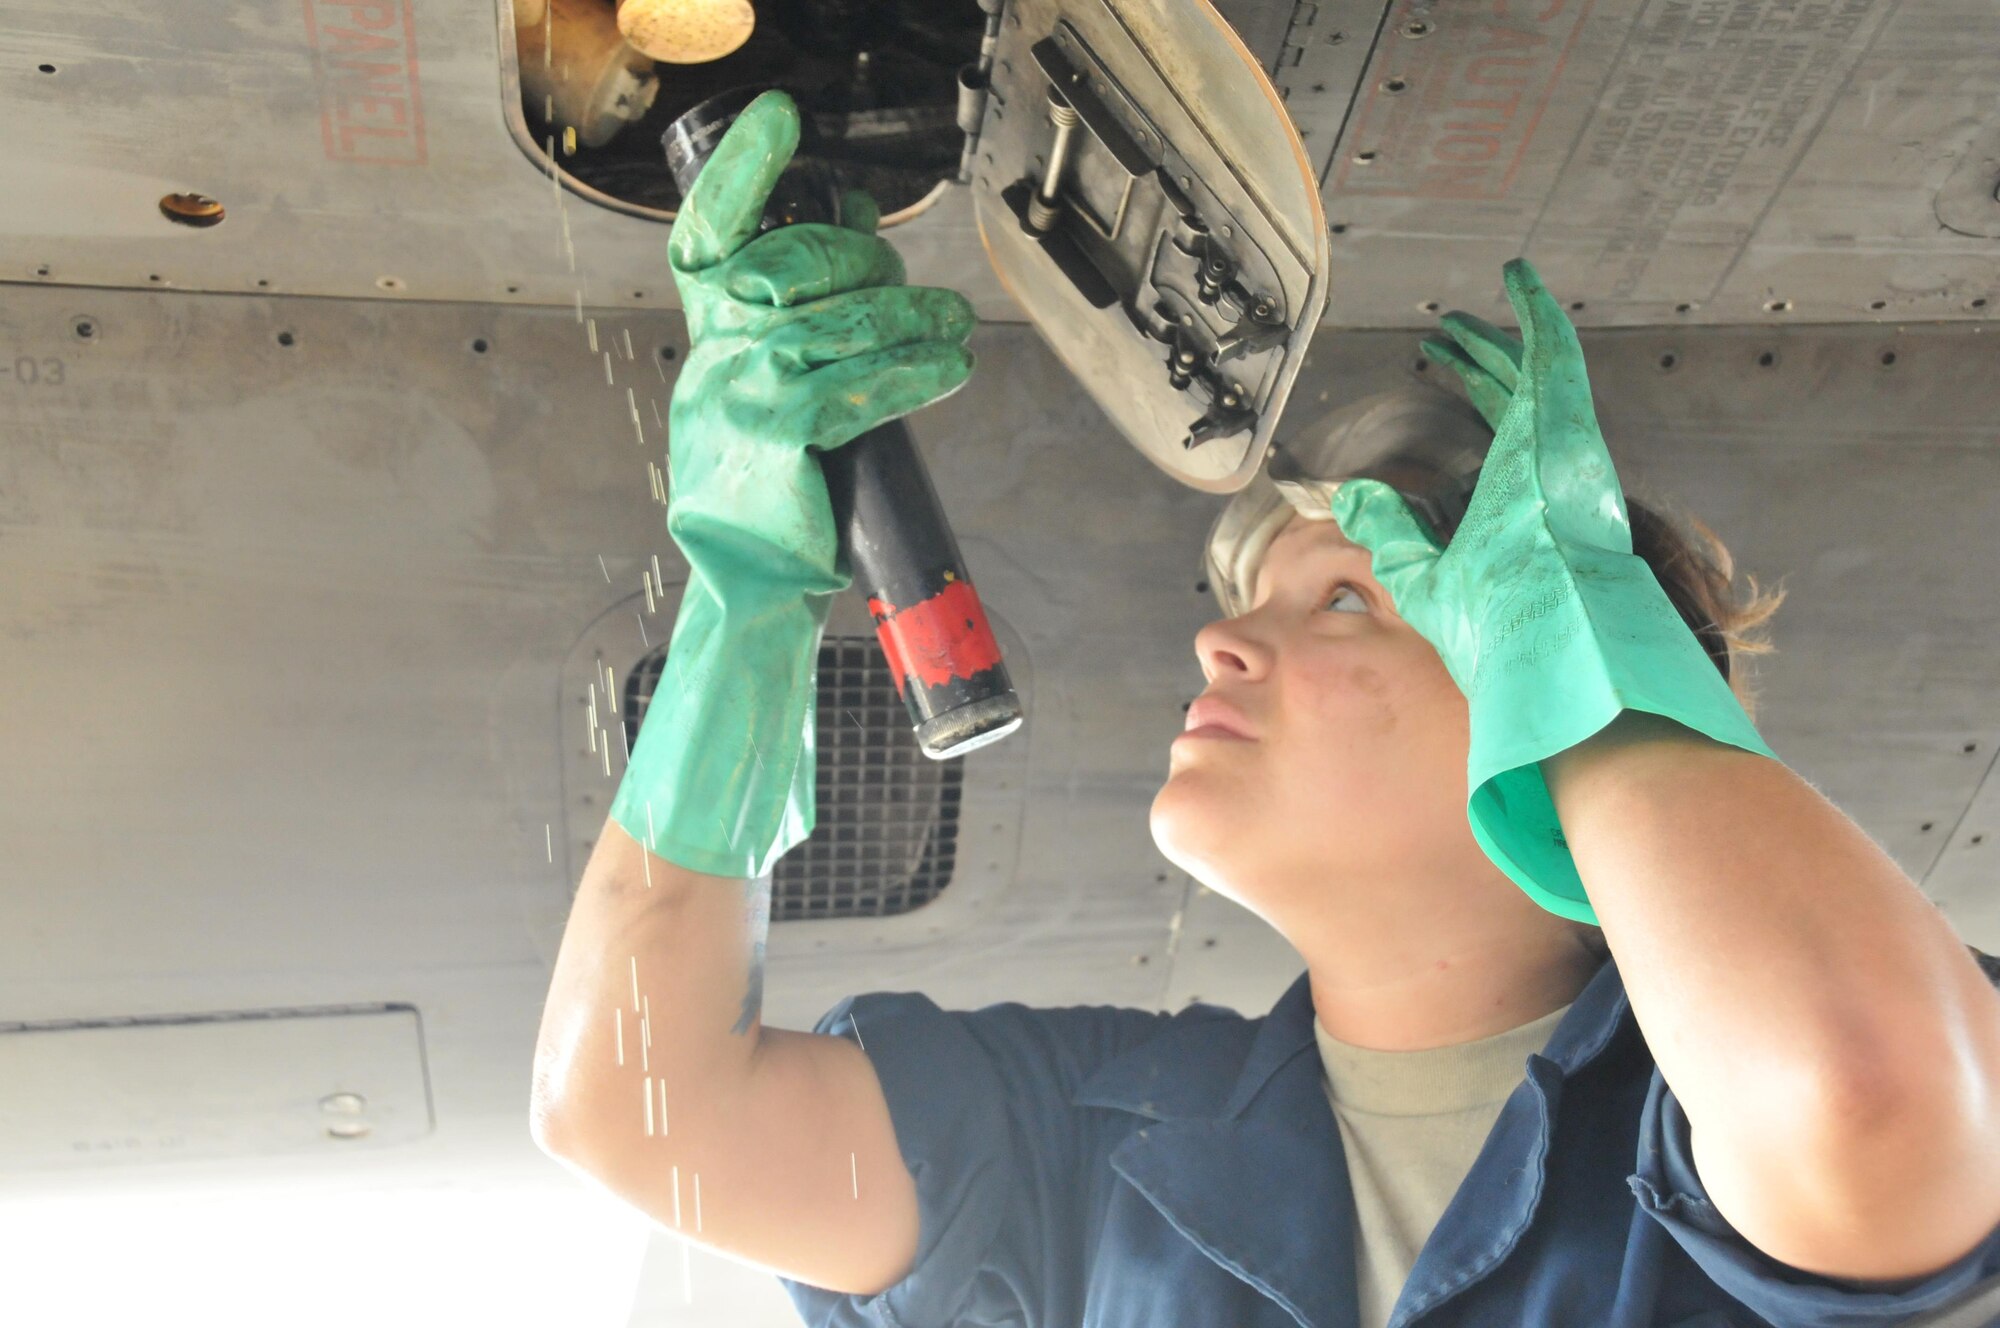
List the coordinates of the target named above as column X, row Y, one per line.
column 1487, row 781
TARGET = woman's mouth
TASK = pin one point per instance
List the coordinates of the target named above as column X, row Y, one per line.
column 1213, row 731
column 1212, row 717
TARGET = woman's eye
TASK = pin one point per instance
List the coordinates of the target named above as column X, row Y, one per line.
column 1353, row 594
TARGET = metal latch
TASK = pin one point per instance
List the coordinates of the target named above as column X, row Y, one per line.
column 1123, row 220
column 1145, row 199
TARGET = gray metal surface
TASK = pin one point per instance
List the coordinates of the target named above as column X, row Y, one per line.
column 1319, row 65
column 1963, row 874
column 360, row 150
column 231, row 1085
column 1260, row 24
column 1757, row 161
column 1741, row 161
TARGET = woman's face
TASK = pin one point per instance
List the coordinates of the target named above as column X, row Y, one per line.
column 1351, row 778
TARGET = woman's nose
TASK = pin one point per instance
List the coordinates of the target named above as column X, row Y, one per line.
column 1226, row 649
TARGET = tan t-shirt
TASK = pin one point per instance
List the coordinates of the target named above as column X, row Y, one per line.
column 1412, row 1123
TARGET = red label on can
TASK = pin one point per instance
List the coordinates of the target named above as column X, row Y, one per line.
column 945, row 637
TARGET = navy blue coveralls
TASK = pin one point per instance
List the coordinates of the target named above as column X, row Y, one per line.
column 1095, row 1167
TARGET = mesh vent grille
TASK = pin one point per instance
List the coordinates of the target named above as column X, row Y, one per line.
column 886, row 836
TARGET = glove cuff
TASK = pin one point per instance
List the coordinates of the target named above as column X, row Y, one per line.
column 721, row 780
column 1616, row 644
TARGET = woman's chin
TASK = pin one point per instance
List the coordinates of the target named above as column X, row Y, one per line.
column 1193, row 821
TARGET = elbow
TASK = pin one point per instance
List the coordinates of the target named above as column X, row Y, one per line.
column 544, row 1128
column 561, row 1136
column 1944, row 1208
column 1904, row 1175
column 549, row 1114
column 1925, row 1105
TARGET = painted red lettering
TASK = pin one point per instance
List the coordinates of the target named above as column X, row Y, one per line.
column 363, row 13
column 1506, row 107
column 1476, row 69
column 349, row 40
column 351, row 77
column 1492, row 88
column 355, row 108
column 365, row 57
column 1464, row 148
column 1504, row 9
column 1453, row 181
column 349, row 133
column 1512, row 39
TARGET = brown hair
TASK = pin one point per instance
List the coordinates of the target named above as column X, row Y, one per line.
column 1694, row 567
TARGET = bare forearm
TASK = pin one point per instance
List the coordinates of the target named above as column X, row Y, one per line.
column 1754, row 924
column 774, row 1147
column 1805, row 1002
column 657, row 987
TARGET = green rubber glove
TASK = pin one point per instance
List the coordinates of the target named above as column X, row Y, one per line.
column 1543, row 615
column 801, row 339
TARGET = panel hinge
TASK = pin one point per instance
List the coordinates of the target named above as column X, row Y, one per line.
column 973, row 83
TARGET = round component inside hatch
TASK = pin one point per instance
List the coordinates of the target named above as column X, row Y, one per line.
column 686, row 32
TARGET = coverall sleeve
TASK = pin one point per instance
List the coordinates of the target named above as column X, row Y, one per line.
column 1964, row 1295
column 1010, row 1175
